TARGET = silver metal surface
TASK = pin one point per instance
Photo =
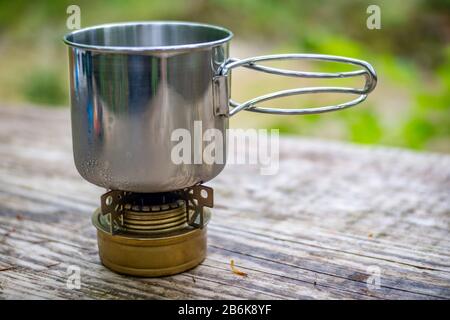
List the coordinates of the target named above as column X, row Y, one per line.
column 125, row 106
column 133, row 84
column 148, row 37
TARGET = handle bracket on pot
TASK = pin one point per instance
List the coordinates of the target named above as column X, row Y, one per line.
column 220, row 93
column 251, row 105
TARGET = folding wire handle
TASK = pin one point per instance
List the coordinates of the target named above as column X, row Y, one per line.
column 251, row 105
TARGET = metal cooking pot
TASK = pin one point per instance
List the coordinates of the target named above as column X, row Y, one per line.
column 133, row 84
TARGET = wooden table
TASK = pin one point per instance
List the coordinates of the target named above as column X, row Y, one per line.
column 334, row 218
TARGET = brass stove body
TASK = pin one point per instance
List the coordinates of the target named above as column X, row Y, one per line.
column 153, row 235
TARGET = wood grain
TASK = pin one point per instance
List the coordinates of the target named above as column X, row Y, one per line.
column 310, row 232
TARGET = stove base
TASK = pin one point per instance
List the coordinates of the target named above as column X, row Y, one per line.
column 151, row 255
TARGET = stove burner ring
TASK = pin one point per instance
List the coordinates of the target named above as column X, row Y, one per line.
column 152, row 218
column 150, row 223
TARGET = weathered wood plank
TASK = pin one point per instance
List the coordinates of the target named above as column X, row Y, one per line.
column 310, row 232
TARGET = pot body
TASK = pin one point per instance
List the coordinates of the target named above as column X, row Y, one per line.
column 126, row 105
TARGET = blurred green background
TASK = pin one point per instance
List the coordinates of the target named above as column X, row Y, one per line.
column 411, row 53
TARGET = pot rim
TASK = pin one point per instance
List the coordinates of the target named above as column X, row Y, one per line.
column 68, row 38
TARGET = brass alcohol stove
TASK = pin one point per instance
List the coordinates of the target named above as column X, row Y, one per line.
column 154, row 234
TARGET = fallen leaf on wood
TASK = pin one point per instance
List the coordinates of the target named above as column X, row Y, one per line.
column 235, row 270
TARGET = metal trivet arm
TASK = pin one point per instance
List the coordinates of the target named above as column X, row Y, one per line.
column 112, row 203
column 196, row 198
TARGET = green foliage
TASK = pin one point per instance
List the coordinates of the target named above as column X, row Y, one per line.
column 430, row 114
column 417, row 131
column 410, row 53
column 43, row 86
column 364, row 126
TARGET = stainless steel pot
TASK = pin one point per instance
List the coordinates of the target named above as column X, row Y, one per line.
column 133, row 84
